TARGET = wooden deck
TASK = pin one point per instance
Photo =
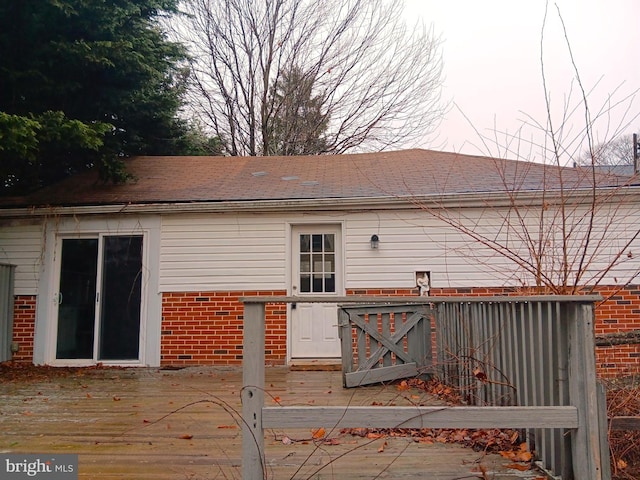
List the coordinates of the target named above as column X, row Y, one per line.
column 184, row 424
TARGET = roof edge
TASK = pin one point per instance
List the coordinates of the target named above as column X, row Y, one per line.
column 472, row 199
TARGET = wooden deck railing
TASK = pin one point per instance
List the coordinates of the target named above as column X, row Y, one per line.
column 579, row 414
column 534, row 352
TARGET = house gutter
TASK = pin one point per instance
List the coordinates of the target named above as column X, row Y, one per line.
column 425, row 202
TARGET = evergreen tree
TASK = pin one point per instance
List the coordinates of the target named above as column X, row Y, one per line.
column 298, row 124
column 85, row 84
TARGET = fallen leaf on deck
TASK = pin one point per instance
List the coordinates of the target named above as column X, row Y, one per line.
column 403, row 385
column 518, row 466
column 276, row 399
column 116, row 399
column 523, row 457
column 186, row 436
column 227, row 426
column 318, row 433
column 286, row 441
column 331, row 441
column 381, row 449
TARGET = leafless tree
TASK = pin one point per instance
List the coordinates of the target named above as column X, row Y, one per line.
column 378, row 81
column 559, row 229
column 618, row 151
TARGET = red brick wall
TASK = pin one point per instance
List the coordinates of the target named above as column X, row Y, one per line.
column 392, row 292
column 619, row 313
column 24, row 322
column 618, row 360
column 205, row 328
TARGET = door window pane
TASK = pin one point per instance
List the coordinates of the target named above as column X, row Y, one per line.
column 316, row 243
column 317, row 269
column 330, row 283
column 329, row 263
column 329, row 243
column 317, row 283
column 305, row 283
column 121, row 298
column 305, row 243
column 317, row 263
column 305, row 263
column 77, row 298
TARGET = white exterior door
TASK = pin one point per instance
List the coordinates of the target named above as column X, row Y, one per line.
column 317, row 272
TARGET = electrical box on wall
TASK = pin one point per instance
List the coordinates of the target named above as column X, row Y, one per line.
column 423, row 282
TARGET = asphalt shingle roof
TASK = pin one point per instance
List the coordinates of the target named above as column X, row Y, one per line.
column 384, row 174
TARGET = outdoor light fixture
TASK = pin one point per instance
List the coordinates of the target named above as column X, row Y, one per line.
column 374, row 241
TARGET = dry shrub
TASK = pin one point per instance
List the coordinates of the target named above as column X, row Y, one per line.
column 623, row 399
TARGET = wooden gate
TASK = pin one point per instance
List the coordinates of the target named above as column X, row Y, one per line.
column 383, row 343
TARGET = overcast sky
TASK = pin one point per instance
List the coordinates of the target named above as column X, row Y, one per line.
column 492, row 69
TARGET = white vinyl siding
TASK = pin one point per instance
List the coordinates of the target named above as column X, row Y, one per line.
column 243, row 252
column 412, row 242
column 612, row 244
column 21, row 245
column 222, row 252
column 246, row 252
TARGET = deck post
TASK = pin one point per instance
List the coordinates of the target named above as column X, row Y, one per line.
column 586, row 453
column 346, row 341
column 252, row 395
column 603, row 423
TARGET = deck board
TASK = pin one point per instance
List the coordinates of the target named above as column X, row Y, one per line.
column 128, row 424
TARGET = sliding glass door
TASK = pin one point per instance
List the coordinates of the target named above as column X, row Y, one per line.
column 99, row 298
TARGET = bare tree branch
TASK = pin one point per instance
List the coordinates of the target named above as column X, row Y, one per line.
column 377, row 80
column 579, row 228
